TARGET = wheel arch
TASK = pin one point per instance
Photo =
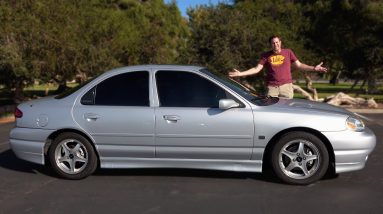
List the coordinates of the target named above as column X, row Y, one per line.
column 55, row 134
column 276, row 137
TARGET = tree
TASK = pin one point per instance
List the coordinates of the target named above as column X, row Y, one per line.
column 18, row 30
column 57, row 40
column 350, row 34
column 228, row 36
column 148, row 31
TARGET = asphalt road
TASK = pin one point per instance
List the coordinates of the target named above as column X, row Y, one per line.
column 30, row 188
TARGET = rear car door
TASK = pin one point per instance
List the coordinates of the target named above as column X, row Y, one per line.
column 116, row 113
column 190, row 125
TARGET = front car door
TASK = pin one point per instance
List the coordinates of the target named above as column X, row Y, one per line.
column 190, row 125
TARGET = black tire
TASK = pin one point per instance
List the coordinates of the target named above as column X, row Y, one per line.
column 72, row 156
column 299, row 158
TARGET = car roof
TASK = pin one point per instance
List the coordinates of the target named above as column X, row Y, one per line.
column 149, row 67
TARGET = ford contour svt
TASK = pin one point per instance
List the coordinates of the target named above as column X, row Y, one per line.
column 170, row 116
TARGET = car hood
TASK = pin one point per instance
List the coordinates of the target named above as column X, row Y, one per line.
column 311, row 106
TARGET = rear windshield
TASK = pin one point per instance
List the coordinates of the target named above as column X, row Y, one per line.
column 70, row 91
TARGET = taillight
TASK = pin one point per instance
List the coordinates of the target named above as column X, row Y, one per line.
column 18, row 113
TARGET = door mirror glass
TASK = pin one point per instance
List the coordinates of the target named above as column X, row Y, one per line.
column 227, row 104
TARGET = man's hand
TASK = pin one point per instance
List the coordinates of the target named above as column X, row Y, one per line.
column 234, row 73
column 320, row 68
column 237, row 73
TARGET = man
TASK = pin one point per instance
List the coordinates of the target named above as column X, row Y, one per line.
column 278, row 63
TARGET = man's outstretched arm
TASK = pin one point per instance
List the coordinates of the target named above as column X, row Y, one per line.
column 305, row 67
column 237, row 73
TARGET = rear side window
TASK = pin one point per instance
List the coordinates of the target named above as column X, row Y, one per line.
column 186, row 89
column 128, row 89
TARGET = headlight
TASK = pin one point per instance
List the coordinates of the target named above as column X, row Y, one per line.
column 354, row 124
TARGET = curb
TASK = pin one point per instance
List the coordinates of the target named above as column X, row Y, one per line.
column 366, row 111
column 9, row 119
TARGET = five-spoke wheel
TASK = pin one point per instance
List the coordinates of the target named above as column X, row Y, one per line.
column 299, row 158
column 72, row 156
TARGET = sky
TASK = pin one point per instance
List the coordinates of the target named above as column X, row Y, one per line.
column 184, row 4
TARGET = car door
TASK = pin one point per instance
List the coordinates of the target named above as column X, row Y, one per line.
column 117, row 114
column 190, row 125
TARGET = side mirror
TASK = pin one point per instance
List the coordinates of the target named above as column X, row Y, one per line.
column 227, row 104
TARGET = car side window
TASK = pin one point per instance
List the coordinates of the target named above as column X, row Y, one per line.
column 186, row 89
column 127, row 89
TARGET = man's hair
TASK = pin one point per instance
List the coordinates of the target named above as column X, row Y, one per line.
column 274, row 36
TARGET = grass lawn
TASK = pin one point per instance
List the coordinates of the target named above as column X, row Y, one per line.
column 325, row 90
column 30, row 92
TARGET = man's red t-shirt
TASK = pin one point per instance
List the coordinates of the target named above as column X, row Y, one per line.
column 278, row 66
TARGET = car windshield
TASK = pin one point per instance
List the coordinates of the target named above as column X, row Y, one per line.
column 240, row 89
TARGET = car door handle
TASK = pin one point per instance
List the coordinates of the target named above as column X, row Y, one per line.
column 173, row 118
column 91, row 116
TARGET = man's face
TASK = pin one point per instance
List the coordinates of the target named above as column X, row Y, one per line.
column 276, row 44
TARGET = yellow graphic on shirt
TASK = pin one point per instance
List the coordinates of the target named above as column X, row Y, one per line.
column 277, row 60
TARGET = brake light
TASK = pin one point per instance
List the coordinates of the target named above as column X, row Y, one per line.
column 18, row 113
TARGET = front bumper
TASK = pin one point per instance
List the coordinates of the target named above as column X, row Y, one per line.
column 28, row 144
column 351, row 149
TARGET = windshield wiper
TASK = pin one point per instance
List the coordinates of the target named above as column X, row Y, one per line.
column 265, row 100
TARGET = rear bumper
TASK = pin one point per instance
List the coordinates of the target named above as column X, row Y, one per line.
column 351, row 149
column 28, row 144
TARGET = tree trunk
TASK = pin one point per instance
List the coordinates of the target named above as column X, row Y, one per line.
column 47, row 88
column 62, row 87
column 371, row 85
column 309, row 86
column 355, row 83
column 335, row 79
column 361, row 90
column 300, row 90
column 344, row 99
column 362, row 86
column 18, row 96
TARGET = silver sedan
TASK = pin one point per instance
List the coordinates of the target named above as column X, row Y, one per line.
column 168, row 116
